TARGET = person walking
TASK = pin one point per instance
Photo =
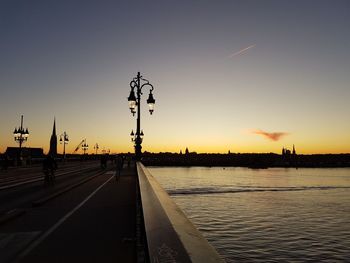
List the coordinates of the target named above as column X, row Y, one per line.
column 103, row 162
column 119, row 165
column 49, row 167
column 5, row 162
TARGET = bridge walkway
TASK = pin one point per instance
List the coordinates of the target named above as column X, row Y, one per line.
column 101, row 228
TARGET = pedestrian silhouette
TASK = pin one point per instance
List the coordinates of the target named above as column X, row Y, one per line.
column 120, row 163
column 5, row 162
column 103, row 161
column 128, row 160
column 49, row 167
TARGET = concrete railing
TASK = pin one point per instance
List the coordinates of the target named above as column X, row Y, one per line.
column 170, row 235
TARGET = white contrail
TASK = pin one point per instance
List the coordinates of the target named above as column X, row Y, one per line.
column 241, row 51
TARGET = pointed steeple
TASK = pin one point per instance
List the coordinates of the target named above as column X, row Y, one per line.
column 54, row 127
column 294, row 150
column 53, row 140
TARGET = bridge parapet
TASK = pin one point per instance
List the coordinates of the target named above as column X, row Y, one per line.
column 170, row 235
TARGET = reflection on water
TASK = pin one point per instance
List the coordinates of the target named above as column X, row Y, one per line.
column 269, row 215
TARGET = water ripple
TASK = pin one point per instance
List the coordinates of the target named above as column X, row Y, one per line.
column 226, row 190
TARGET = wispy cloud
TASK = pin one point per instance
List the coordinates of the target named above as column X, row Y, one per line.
column 274, row 136
column 241, row 51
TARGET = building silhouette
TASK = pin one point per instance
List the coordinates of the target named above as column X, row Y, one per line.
column 53, row 140
column 287, row 153
column 289, row 157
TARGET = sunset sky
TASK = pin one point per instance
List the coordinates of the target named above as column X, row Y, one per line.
column 244, row 76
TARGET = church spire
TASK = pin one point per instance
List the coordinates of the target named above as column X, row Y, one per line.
column 54, row 127
column 53, row 140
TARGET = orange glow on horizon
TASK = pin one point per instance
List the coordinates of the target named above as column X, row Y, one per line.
column 198, row 149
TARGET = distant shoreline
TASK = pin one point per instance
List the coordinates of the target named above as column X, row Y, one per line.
column 254, row 161
column 249, row 160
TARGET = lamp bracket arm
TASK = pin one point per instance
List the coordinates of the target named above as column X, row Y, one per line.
column 148, row 84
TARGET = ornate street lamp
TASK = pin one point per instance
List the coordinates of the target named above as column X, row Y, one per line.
column 135, row 102
column 85, row 146
column 96, row 147
column 64, row 140
column 20, row 135
column 133, row 136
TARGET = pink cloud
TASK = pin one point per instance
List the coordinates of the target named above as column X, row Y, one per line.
column 274, row 136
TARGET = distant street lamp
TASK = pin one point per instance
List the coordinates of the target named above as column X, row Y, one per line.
column 96, row 147
column 20, row 135
column 135, row 101
column 104, row 151
column 64, row 140
column 85, row 147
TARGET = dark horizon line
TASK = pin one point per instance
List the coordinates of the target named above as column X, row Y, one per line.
column 192, row 152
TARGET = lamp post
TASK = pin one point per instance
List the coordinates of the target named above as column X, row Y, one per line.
column 104, row 151
column 20, row 135
column 85, row 146
column 96, row 147
column 135, row 101
column 64, row 140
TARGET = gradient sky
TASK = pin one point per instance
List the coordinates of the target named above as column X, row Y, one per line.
column 226, row 73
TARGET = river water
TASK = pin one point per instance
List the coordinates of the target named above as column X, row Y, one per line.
column 266, row 215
